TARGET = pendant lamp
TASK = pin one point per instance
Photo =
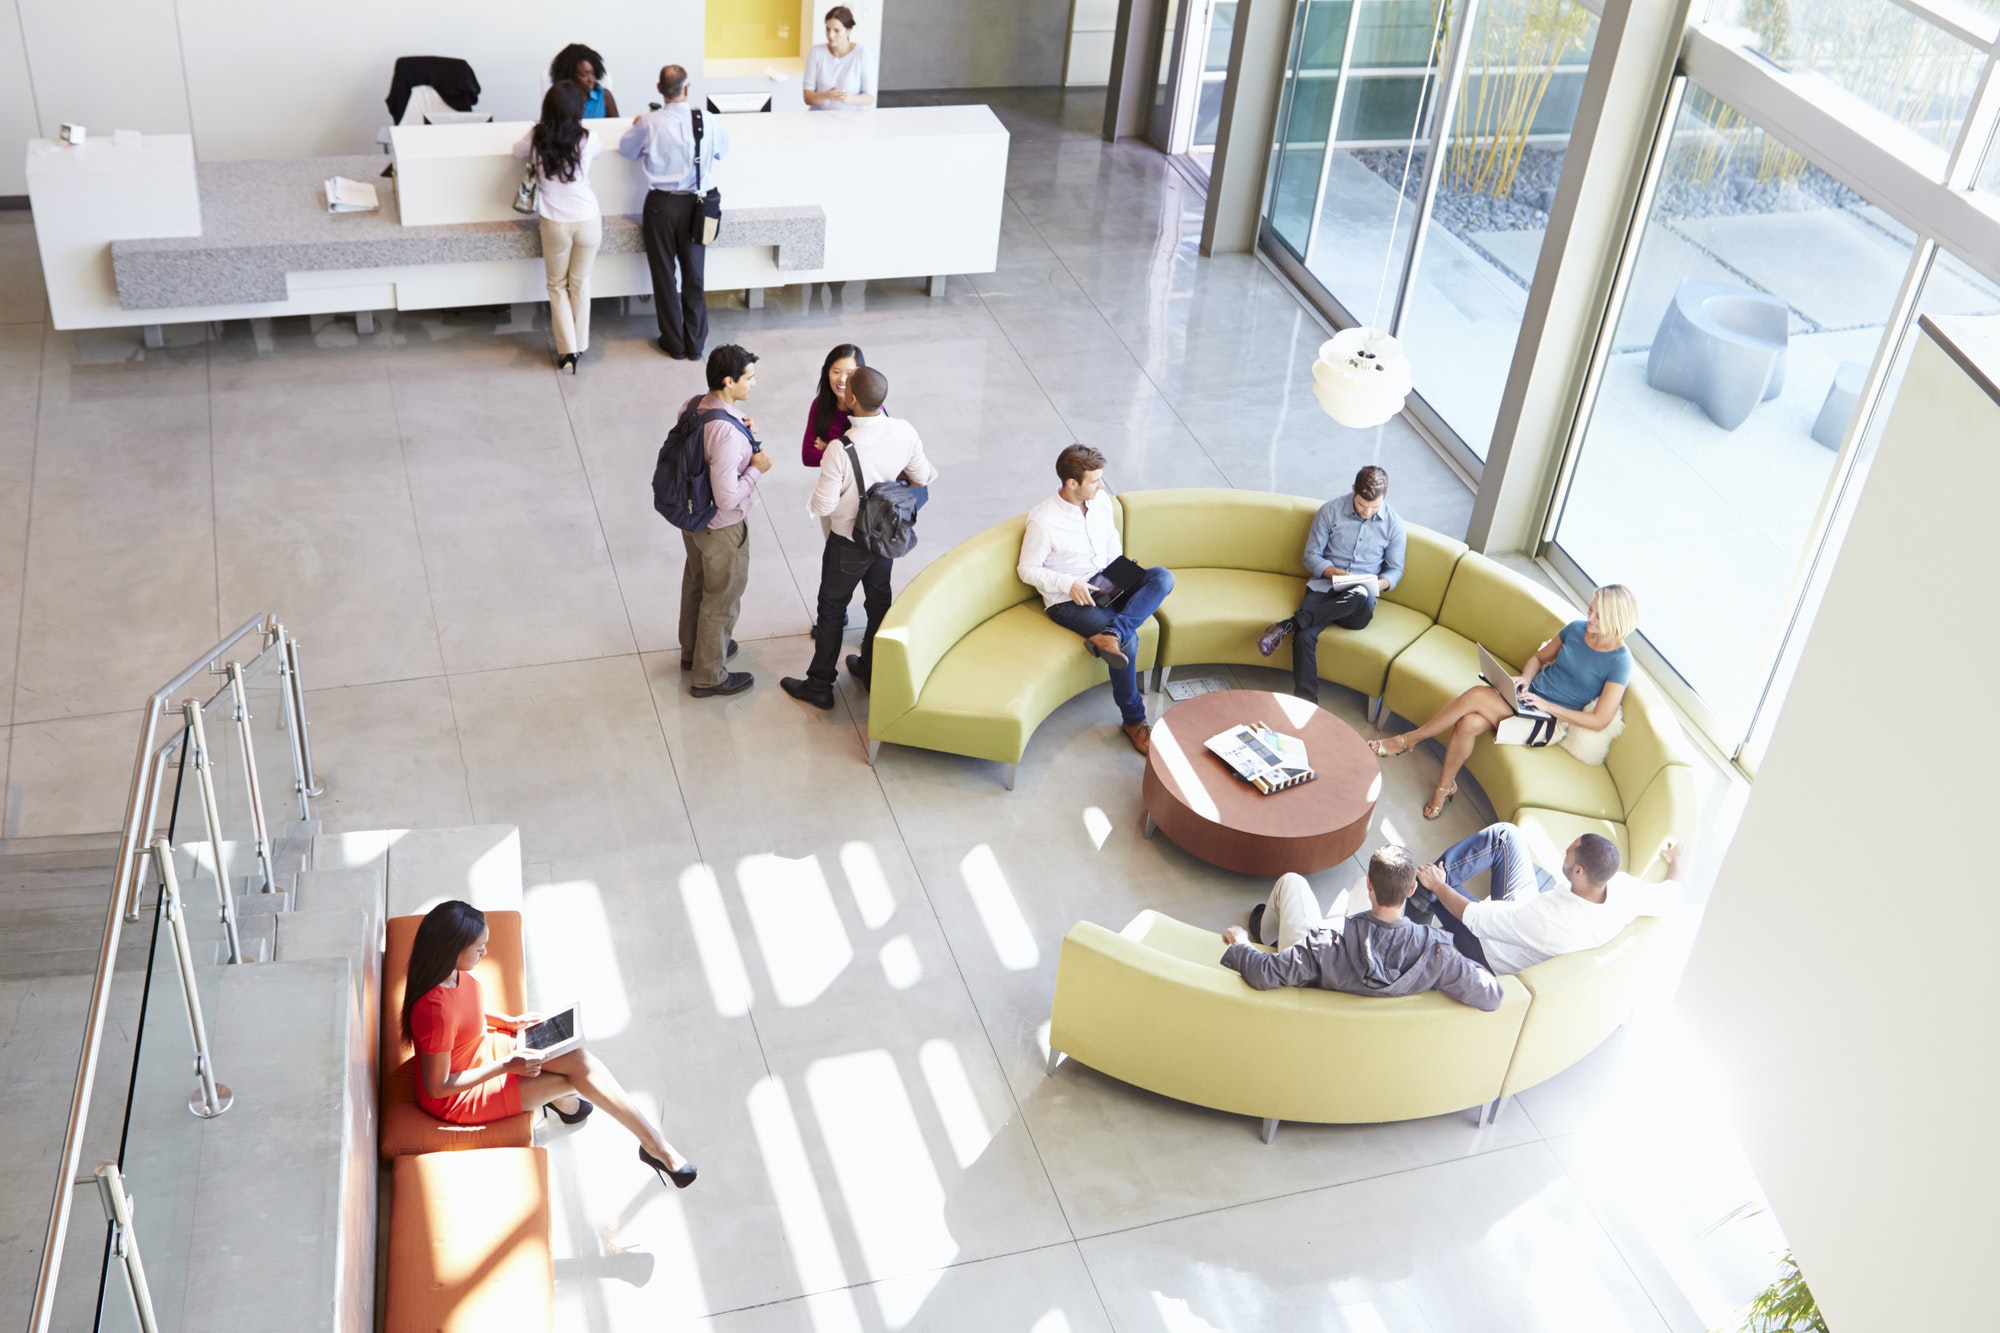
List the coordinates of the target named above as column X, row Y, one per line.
column 1361, row 377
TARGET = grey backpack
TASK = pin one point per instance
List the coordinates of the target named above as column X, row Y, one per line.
column 886, row 523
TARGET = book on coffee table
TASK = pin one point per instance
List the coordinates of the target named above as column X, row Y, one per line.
column 1268, row 760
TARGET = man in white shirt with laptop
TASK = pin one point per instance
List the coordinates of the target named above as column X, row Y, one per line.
column 888, row 447
column 1070, row 538
column 1529, row 915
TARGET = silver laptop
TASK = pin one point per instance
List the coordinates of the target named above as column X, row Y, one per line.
column 1503, row 680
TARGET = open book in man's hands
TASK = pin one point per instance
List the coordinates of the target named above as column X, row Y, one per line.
column 1341, row 582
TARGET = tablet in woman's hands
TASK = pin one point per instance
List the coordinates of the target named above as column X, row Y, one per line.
column 559, row 1033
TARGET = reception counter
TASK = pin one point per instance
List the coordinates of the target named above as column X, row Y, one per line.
column 145, row 235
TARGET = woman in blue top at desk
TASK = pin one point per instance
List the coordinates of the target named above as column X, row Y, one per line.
column 585, row 68
column 572, row 223
column 1579, row 677
column 837, row 74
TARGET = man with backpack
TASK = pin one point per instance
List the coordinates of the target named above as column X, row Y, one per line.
column 711, row 464
column 869, row 489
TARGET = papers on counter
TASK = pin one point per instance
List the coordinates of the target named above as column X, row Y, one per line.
column 350, row 196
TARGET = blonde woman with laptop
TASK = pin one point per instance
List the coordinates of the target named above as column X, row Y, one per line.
column 1577, row 677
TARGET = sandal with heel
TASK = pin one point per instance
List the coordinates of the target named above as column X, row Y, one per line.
column 1380, row 746
column 1435, row 807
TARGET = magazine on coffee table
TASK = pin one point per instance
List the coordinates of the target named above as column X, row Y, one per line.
column 1268, row 760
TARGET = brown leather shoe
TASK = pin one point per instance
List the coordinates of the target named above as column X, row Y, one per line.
column 1108, row 648
column 1273, row 635
column 1141, row 736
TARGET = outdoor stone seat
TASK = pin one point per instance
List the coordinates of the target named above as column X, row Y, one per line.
column 1842, row 397
column 1721, row 348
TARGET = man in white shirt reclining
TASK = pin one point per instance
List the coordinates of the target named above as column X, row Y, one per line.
column 1071, row 536
column 1529, row 915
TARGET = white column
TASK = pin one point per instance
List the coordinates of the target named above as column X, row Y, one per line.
column 1843, row 978
column 1623, row 93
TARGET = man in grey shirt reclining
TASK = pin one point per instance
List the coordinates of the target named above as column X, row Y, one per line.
column 1376, row 952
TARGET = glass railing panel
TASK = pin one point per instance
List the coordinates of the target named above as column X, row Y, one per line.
column 161, row 1151
column 270, row 726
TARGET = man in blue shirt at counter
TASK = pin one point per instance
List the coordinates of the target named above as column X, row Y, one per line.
column 1356, row 535
column 662, row 143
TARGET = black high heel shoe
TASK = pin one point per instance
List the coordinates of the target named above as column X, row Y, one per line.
column 576, row 1117
column 567, row 361
column 681, row 1178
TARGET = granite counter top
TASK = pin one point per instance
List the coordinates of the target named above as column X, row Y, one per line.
column 262, row 220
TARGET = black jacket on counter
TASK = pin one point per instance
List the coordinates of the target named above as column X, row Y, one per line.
column 452, row 77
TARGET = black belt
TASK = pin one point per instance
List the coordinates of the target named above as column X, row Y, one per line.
column 657, row 190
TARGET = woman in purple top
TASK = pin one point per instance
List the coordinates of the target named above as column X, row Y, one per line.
column 827, row 418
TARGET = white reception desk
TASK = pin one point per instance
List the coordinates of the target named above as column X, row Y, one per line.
column 910, row 192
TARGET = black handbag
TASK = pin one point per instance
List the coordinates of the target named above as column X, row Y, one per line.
column 711, row 199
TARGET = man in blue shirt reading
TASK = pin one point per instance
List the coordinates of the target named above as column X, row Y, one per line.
column 1353, row 555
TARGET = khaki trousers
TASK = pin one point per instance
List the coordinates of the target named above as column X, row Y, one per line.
column 712, row 583
column 569, row 250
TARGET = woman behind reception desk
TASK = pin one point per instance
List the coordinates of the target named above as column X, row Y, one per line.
column 585, row 68
column 572, row 224
column 837, row 74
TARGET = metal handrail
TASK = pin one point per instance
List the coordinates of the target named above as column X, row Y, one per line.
column 132, row 840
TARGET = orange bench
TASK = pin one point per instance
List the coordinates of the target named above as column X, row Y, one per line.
column 469, row 1243
column 406, row 1128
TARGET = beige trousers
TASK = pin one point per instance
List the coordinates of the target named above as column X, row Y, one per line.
column 569, row 249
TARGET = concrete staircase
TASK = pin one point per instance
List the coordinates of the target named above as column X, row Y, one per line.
column 265, row 1217
column 285, row 1193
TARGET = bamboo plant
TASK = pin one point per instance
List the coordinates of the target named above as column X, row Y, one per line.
column 1519, row 44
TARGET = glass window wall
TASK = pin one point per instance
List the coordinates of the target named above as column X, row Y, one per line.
column 1759, row 299
column 1361, row 82
column 1509, row 137
column 1911, row 71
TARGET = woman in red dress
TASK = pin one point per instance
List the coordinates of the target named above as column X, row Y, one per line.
column 467, row 1073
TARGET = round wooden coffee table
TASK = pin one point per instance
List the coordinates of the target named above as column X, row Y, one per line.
column 1193, row 797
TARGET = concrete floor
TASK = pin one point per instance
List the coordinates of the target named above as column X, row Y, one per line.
column 832, row 981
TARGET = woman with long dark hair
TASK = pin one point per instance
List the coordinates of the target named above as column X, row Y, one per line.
column 826, row 419
column 572, row 224
column 467, row 1073
column 585, row 68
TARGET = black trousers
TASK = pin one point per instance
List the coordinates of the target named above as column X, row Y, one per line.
column 841, row 566
column 1349, row 608
column 670, row 224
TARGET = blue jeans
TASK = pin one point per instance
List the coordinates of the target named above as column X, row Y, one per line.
column 1089, row 621
column 1501, row 849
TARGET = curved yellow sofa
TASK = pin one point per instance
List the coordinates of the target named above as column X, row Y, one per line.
column 1153, row 1006
column 967, row 663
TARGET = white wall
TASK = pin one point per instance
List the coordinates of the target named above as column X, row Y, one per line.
column 975, row 43
column 17, row 102
column 1844, row 978
column 1093, row 26
column 104, row 66
column 254, row 79
column 294, row 80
